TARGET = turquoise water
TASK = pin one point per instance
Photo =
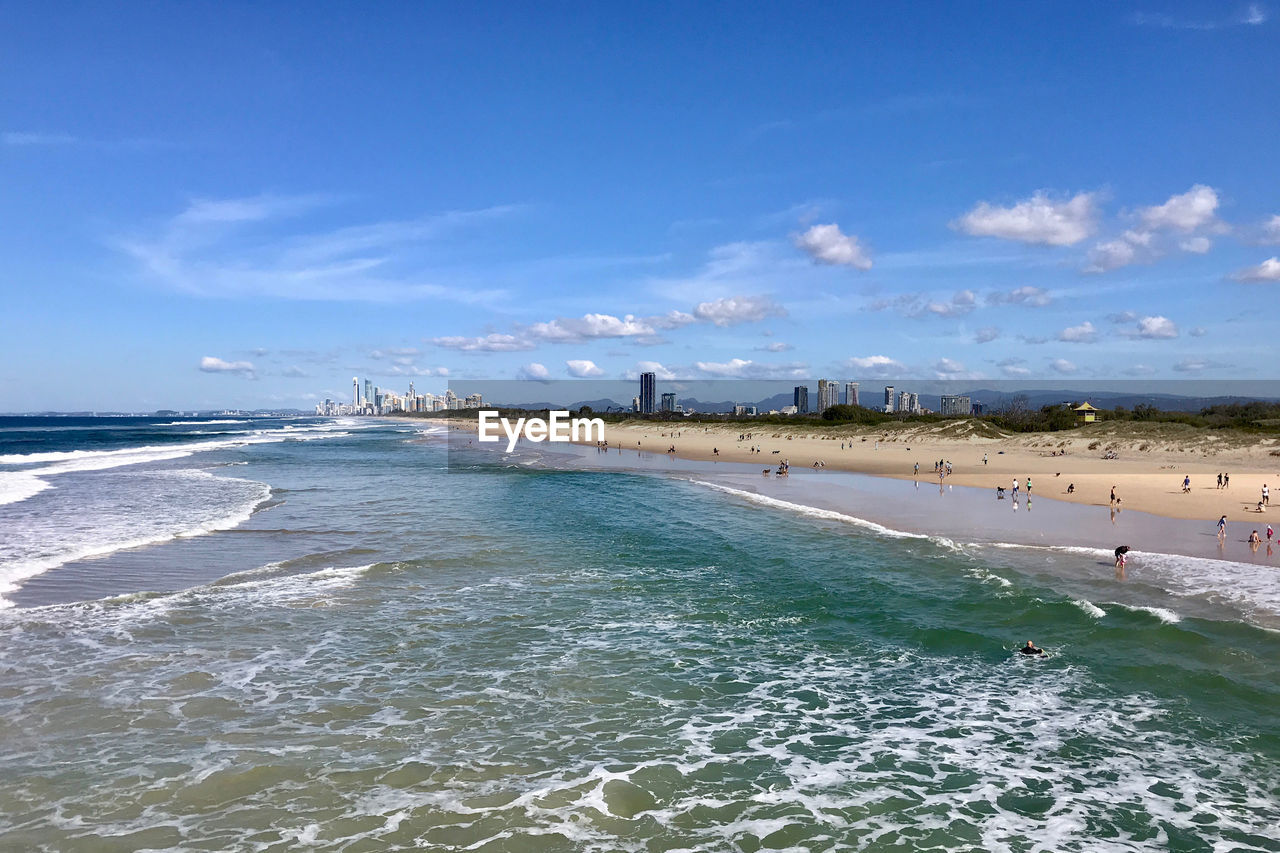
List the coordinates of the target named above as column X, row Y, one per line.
column 388, row 654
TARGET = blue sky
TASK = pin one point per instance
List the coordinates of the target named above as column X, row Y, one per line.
column 233, row 204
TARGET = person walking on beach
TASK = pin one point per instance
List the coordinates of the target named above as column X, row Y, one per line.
column 1219, row 480
column 1186, row 483
column 917, row 469
column 1226, row 481
column 1266, row 495
column 1269, row 534
column 1113, row 494
column 1015, row 488
column 984, row 459
column 1222, row 527
column 1028, row 488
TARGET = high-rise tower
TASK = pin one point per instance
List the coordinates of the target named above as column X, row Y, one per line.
column 647, row 382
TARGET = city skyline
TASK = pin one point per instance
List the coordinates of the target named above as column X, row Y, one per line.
column 599, row 195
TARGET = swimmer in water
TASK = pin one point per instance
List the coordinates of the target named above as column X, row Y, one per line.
column 1031, row 649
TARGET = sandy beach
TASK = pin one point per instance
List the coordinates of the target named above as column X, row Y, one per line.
column 1147, row 472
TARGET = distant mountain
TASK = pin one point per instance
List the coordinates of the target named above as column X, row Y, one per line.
column 603, row 405
column 996, row 400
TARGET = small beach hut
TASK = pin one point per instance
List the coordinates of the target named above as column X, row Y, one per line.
column 1085, row 413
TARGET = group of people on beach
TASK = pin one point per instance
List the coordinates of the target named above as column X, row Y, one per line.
column 1254, row 540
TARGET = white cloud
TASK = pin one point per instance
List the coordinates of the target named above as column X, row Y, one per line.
column 729, row 311
column 961, row 303
column 986, row 335
column 485, row 343
column 1271, row 230
column 1268, row 270
column 1039, row 220
column 212, row 364
column 1082, row 334
column 1196, row 365
column 1186, row 212
column 1033, row 297
column 533, row 371
column 1156, row 327
column 875, row 366
column 582, row 368
column 1111, row 255
column 653, row 367
column 826, row 244
column 740, row 368
column 737, row 309
column 1013, row 367
column 947, row 368
column 408, row 369
column 1061, row 365
column 1139, row 370
column 589, row 327
column 776, row 346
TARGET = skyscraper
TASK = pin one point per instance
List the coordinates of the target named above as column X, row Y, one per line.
column 828, row 394
column 355, row 391
column 851, row 393
column 801, row 399
column 668, row 402
column 888, row 398
column 368, row 393
column 647, row 382
column 955, row 404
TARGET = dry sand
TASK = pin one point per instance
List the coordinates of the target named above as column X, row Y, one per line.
column 1152, row 459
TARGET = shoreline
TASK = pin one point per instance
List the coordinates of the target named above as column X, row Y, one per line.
column 1147, row 475
column 1175, row 567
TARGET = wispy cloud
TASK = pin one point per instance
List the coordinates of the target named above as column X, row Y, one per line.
column 921, row 305
column 232, row 248
column 1252, row 15
column 18, row 137
column 1032, row 297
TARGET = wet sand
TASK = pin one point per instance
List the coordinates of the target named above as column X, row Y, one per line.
column 952, row 511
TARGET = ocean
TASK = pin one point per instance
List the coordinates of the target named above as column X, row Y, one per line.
column 281, row 634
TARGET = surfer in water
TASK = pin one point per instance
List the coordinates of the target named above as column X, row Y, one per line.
column 1031, row 649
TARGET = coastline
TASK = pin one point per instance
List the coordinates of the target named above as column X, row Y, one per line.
column 1147, row 475
column 1171, row 560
